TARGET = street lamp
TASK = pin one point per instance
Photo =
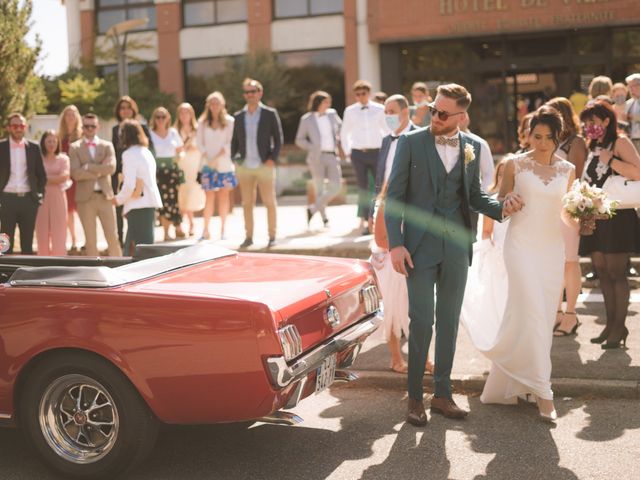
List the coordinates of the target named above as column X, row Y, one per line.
column 115, row 31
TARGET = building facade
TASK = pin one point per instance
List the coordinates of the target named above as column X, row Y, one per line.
column 512, row 54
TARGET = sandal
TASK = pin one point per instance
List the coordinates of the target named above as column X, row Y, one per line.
column 563, row 333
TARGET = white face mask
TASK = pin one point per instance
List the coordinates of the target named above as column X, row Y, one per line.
column 393, row 122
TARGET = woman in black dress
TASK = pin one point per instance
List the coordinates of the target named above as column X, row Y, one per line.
column 614, row 240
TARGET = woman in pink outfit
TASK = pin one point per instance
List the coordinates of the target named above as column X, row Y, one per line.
column 51, row 222
column 70, row 130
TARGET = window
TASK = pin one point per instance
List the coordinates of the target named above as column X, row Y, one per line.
column 201, row 77
column 110, row 12
column 305, row 8
column 210, row 12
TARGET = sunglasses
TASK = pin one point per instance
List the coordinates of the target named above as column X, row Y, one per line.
column 18, row 126
column 444, row 116
column 247, row 92
column 89, row 127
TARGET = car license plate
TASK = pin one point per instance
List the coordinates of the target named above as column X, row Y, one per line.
column 326, row 373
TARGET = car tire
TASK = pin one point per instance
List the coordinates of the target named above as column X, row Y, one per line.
column 84, row 418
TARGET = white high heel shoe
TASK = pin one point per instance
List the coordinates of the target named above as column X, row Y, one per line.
column 551, row 416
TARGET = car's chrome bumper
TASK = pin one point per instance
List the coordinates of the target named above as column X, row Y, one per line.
column 351, row 338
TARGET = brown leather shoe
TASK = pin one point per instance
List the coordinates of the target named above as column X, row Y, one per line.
column 447, row 407
column 416, row 415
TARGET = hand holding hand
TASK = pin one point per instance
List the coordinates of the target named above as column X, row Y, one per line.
column 400, row 255
column 512, row 204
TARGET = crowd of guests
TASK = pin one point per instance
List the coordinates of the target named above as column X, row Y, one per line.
column 164, row 171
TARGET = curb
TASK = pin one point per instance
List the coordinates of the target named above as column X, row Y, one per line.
column 562, row 387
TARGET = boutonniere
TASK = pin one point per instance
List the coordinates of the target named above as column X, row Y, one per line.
column 469, row 154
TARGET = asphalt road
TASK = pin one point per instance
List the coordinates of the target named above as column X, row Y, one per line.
column 352, row 432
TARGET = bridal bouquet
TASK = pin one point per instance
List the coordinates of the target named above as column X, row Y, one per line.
column 588, row 203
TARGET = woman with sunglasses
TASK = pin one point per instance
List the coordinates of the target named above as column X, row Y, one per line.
column 168, row 145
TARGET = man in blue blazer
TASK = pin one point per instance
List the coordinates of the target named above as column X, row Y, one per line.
column 433, row 186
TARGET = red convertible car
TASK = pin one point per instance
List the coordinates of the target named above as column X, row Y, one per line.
column 96, row 353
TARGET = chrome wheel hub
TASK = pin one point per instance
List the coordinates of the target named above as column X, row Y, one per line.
column 78, row 419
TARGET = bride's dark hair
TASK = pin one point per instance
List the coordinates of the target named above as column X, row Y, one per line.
column 550, row 117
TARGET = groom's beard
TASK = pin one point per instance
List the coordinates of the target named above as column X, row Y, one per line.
column 447, row 132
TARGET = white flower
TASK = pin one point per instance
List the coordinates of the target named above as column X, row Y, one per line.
column 469, row 154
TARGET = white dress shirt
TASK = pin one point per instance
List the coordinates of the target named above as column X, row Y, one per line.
column 487, row 166
column 448, row 154
column 327, row 143
column 18, row 179
column 91, row 146
column 392, row 152
column 363, row 127
column 138, row 163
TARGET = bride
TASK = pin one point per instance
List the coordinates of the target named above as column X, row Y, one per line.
column 519, row 346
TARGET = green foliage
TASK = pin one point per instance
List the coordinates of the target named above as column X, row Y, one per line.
column 261, row 65
column 20, row 88
column 80, row 91
column 143, row 87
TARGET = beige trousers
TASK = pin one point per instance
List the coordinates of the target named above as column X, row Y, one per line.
column 99, row 207
column 263, row 179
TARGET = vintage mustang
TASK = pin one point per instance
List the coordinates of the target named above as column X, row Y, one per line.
column 96, row 352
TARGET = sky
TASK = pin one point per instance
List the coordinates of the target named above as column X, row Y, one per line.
column 49, row 19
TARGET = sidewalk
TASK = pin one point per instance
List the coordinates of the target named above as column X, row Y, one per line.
column 579, row 367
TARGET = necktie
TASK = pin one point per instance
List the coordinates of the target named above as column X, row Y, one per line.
column 364, row 107
column 452, row 142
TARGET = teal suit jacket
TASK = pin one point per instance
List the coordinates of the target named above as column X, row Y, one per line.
column 412, row 191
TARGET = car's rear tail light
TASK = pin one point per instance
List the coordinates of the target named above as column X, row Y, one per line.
column 371, row 299
column 291, row 342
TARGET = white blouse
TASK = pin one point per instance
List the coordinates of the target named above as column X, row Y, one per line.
column 210, row 141
column 165, row 147
column 138, row 162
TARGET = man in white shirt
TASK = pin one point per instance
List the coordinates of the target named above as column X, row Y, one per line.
column 93, row 161
column 363, row 128
column 632, row 108
column 22, row 182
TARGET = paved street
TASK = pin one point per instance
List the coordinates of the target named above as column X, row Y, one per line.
column 355, row 433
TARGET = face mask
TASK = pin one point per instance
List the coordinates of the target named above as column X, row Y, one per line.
column 620, row 99
column 594, row 131
column 393, row 122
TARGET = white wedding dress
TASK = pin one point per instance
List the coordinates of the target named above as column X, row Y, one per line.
column 519, row 345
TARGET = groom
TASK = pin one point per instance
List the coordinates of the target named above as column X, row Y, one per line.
column 433, row 186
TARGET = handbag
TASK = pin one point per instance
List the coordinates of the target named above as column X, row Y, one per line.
column 626, row 192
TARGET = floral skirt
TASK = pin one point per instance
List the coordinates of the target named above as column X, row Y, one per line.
column 169, row 178
column 214, row 180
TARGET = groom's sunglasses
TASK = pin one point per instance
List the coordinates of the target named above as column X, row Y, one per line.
column 444, row 116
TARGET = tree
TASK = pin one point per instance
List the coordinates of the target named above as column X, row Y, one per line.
column 20, row 88
column 80, row 91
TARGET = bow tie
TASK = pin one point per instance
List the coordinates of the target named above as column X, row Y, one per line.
column 452, row 142
column 364, row 107
column 20, row 144
column 91, row 144
column 394, row 138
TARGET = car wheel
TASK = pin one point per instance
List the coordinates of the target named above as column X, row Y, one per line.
column 84, row 418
